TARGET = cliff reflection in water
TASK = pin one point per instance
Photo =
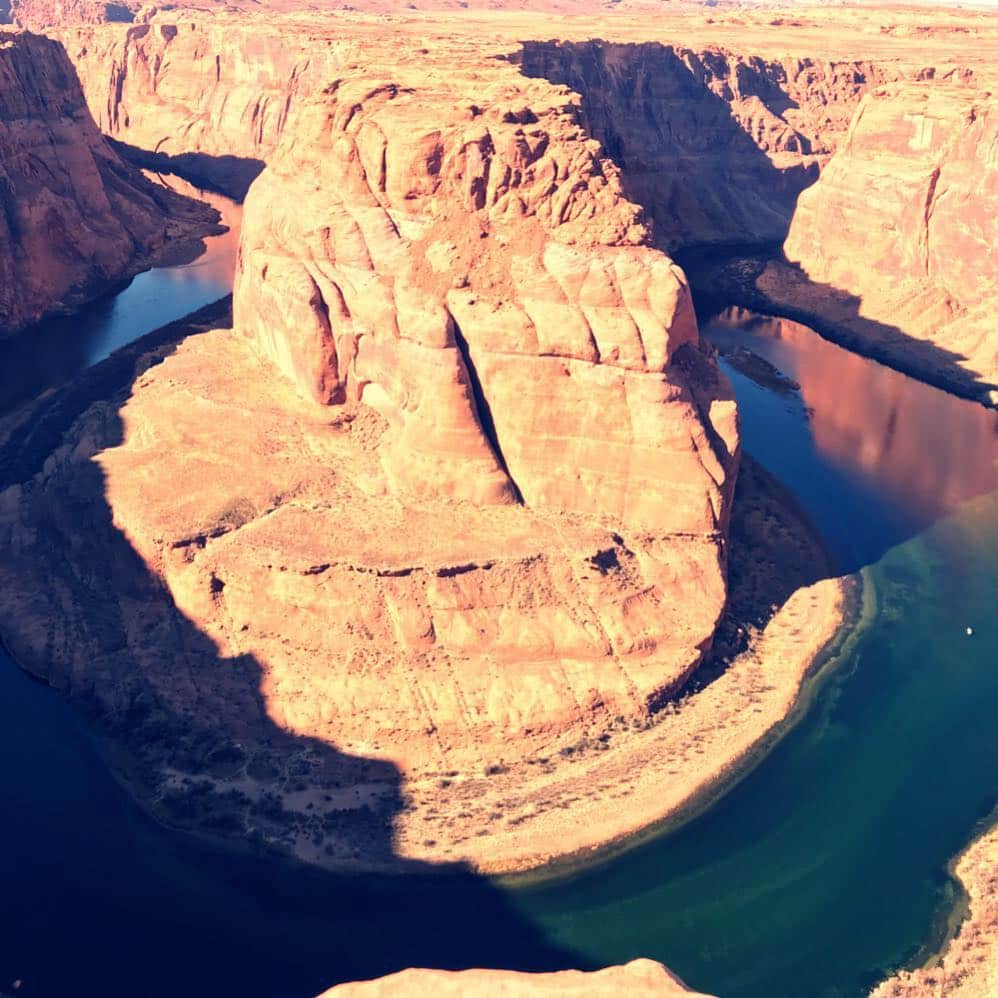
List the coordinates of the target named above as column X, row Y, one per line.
column 914, row 452
column 51, row 353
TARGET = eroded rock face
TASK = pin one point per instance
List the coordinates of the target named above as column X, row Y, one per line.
column 639, row 977
column 74, row 218
column 717, row 145
column 905, row 220
column 715, row 142
column 38, row 15
column 214, row 92
column 454, row 503
column 485, row 287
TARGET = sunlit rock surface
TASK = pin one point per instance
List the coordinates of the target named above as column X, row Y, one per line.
column 639, row 977
column 905, row 219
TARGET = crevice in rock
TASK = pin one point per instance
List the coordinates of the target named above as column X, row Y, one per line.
column 483, row 411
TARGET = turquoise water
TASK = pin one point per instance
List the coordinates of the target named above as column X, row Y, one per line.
column 823, row 869
column 818, row 873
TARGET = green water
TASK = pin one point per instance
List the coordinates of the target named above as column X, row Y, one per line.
column 824, row 870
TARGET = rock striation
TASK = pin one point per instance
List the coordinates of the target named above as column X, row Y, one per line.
column 40, row 15
column 639, row 977
column 904, row 223
column 716, row 142
column 456, row 492
column 481, row 282
column 74, row 218
column 718, row 145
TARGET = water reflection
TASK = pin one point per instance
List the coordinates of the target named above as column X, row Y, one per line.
column 51, row 353
column 880, row 455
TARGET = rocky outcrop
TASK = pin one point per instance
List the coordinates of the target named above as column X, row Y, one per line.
column 968, row 967
column 455, row 494
column 639, row 977
column 480, row 281
column 211, row 95
column 74, row 218
column 904, row 224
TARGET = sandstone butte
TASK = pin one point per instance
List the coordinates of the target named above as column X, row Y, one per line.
column 639, row 977
column 75, row 219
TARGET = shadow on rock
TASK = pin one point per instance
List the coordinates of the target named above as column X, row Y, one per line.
column 765, row 281
column 228, row 175
column 682, row 153
column 141, row 909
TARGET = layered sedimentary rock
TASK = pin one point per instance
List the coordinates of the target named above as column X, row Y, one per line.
column 904, row 224
column 639, row 977
column 717, row 145
column 212, row 96
column 481, row 283
column 715, row 142
column 74, row 218
column 455, row 493
column 39, row 15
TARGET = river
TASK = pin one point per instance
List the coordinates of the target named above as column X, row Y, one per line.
column 818, row 873
column 50, row 353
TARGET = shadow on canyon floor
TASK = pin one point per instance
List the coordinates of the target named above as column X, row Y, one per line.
column 728, row 274
column 146, row 910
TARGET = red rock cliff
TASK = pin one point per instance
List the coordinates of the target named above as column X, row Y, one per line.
column 905, row 218
column 74, row 218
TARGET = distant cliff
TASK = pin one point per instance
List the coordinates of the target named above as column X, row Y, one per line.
column 905, row 220
column 74, row 218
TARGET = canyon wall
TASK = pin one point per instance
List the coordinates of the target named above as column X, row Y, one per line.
column 74, row 218
column 213, row 93
column 717, row 145
column 905, row 221
column 40, row 15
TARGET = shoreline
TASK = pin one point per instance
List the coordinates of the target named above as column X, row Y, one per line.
column 964, row 964
column 805, row 677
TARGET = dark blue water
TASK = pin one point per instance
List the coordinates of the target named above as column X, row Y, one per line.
column 50, row 353
column 821, row 871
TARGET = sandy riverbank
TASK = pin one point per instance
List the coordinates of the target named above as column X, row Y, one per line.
column 968, row 966
column 666, row 773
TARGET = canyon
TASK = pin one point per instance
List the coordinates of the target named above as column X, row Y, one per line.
column 76, row 219
column 415, row 558
column 717, row 129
